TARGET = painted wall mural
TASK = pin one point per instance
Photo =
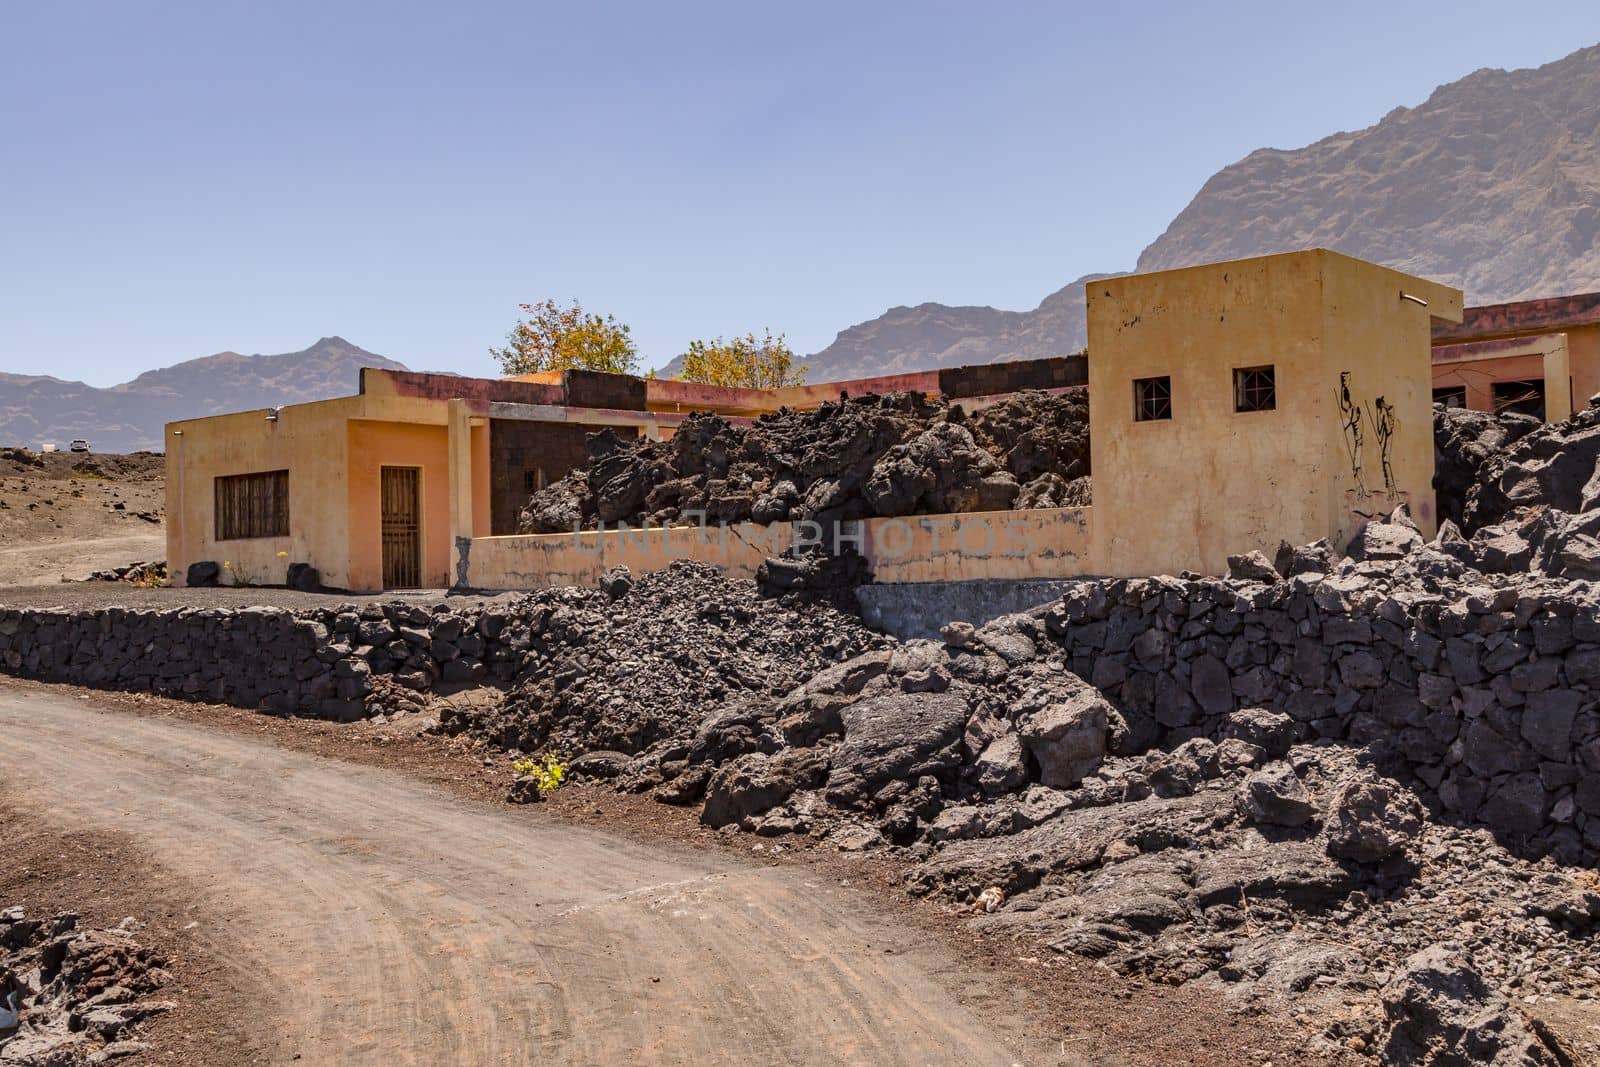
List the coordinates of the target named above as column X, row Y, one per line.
column 1355, row 417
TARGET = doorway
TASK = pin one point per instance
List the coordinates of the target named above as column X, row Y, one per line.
column 400, row 490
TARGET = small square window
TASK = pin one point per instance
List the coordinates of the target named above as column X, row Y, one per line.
column 1152, row 399
column 1451, row 396
column 1254, row 389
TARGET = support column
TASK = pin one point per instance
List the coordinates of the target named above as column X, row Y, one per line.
column 459, row 425
column 1557, row 380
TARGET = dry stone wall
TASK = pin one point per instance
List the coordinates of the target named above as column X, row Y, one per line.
column 319, row 663
column 1487, row 696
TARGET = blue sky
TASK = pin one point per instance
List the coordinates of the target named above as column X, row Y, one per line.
column 179, row 179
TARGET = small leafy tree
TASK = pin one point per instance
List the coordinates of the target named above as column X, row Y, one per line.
column 554, row 338
column 748, row 362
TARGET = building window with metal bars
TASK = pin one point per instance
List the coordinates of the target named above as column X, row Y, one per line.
column 1254, row 389
column 252, row 505
column 1152, row 399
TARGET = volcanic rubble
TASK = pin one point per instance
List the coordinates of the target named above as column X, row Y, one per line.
column 1246, row 852
column 72, row 996
column 895, row 454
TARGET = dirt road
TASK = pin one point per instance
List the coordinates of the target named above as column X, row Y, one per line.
column 73, row 513
column 397, row 924
column 50, row 561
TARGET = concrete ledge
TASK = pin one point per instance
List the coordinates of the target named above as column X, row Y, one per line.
column 918, row 609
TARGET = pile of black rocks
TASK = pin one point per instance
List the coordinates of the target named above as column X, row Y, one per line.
column 145, row 573
column 72, row 996
column 1298, row 864
column 636, row 666
column 898, row 454
column 1523, row 497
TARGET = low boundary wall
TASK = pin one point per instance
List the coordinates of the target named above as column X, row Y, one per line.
column 1491, row 700
column 319, row 663
column 1012, row 545
column 1488, row 699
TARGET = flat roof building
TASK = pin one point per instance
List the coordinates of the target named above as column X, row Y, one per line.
column 1538, row 357
column 1233, row 406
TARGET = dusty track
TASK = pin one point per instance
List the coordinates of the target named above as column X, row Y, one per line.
column 50, row 561
column 396, row 923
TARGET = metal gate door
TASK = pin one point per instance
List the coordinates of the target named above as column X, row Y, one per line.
column 400, row 489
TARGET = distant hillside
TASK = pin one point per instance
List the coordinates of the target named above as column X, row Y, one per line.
column 934, row 335
column 1493, row 184
column 129, row 417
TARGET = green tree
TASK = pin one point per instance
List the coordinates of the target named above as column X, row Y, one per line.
column 550, row 337
column 748, row 362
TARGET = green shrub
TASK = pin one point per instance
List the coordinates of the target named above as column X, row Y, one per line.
column 548, row 772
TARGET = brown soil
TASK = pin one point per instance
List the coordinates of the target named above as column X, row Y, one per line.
column 59, row 513
column 1058, row 1010
column 100, row 875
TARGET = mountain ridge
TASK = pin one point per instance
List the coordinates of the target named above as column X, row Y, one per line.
column 1492, row 183
column 129, row 416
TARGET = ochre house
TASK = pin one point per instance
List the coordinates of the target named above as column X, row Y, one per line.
column 381, row 489
column 1235, row 405
column 1538, row 357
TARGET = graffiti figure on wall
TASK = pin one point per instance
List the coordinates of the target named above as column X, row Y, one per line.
column 1350, row 417
column 1385, row 425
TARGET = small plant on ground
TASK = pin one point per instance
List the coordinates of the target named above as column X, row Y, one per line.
column 242, row 575
column 547, row 772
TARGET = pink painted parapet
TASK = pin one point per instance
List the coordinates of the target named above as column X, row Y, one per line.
column 1521, row 316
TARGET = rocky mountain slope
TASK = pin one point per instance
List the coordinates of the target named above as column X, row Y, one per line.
column 1492, row 184
column 936, row 335
column 129, row 417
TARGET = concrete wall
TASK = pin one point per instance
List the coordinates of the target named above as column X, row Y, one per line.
column 538, row 561
column 306, row 440
column 373, row 446
column 1186, row 493
column 919, row 610
column 1042, row 543
column 1039, row 543
column 1377, row 345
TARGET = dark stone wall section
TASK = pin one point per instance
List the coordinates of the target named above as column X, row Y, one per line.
column 318, row 664
column 992, row 379
column 1490, row 701
column 595, row 389
column 518, row 450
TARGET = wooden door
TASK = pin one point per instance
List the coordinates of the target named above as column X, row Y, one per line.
column 401, row 493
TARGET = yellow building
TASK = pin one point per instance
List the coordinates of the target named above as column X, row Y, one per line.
column 1235, row 406
column 389, row 488
column 1537, row 357
column 1238, row 405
